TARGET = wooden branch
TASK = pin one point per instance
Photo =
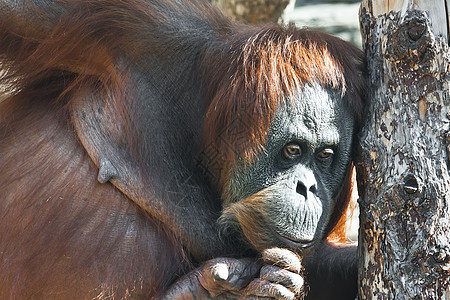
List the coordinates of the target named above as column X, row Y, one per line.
column 404, row 238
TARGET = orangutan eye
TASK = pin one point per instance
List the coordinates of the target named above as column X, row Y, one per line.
column 292, row 151
column 325, row 153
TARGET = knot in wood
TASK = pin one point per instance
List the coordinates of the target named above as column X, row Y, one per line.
column 416, row 29
column 410, row 184
column 410, row 43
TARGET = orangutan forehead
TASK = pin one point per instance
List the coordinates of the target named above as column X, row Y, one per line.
column 274, row 63
column 315, row 115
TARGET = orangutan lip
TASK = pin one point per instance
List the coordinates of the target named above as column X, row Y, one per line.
column 295, row 243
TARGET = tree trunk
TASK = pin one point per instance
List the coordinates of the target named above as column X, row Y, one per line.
column 403, row 168
column 252, row 11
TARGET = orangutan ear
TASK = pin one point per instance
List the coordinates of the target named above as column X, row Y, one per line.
column 102, row 132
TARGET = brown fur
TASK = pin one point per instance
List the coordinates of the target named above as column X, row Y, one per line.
column 77, row 238
column 85, row 50
column 249, row 215
column 89, row 239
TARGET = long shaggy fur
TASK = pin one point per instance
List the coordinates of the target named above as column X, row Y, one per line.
column 248, row 216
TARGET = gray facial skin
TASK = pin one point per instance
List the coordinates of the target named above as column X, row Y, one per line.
column 300, row 182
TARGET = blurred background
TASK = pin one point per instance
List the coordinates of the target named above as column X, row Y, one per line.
column 338, row 17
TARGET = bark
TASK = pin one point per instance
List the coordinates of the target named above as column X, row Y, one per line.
column 403, row 168
column 252, row 11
